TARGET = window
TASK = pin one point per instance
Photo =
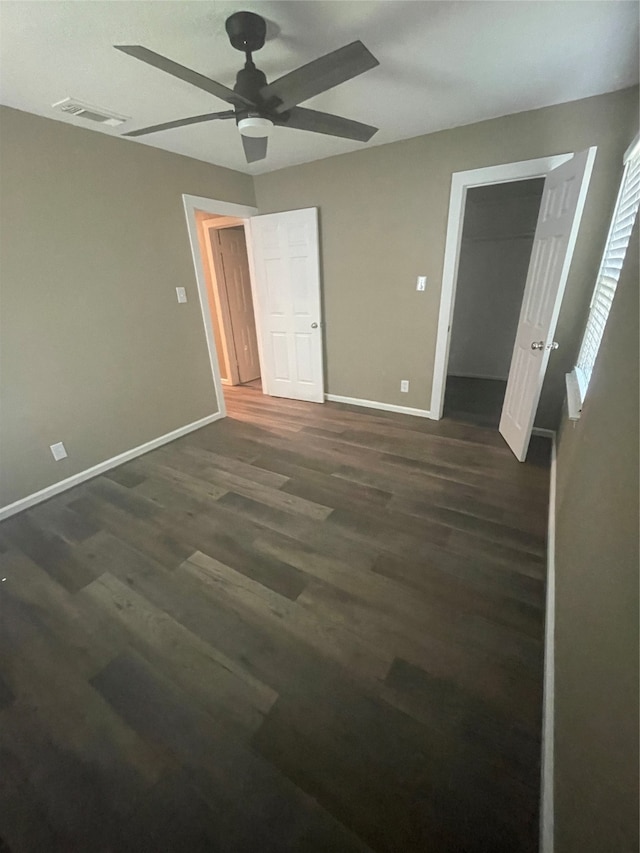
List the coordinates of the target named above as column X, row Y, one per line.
column 612, row 259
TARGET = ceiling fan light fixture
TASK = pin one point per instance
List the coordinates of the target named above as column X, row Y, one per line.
column 255, row 126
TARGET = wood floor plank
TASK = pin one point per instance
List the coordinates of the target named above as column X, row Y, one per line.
column 86, row 637
column 200, row 670
column 255, row 806
column 477, row 571
column 24, row 825
column 334, row 640
column 264, row 489
column 58, row 519
column 6, row 694
column 125, row 476
column 307, row 737
column 85, row 765
column 149, row 539
column 332, row 491
column 228, row 535
column 300, row 628
column 49, row 550
column 253, row 473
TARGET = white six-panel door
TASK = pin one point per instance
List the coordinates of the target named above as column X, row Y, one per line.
column 287, row 289
column 561, row 208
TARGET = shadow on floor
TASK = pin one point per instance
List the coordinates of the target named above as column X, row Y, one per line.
column 479, row 402
column 474, row 401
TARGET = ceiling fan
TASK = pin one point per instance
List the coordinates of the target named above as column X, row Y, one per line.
column 258, row 105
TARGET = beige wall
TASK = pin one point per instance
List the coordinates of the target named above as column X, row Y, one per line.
column 596, row 657
column 95, row 350
column 383, row 214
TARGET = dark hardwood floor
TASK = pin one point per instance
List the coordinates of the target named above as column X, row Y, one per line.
column 475, row 401
column 301, row 628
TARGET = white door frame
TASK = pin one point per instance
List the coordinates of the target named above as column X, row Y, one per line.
column 460, row 183
column 221, row 208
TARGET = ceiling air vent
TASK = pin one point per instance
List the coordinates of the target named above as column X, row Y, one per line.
column 76, row 108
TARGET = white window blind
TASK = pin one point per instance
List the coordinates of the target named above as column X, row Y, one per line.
column 615, row 250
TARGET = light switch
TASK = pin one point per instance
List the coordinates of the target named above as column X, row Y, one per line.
column 404, row 385
column 58, row 451
column 181, row 293
column 422, row 282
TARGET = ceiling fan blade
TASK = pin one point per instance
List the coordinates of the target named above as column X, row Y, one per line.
column 181, row 122
column 255, row 147
column 320, row 75
column 303, row 119
column 186, row 74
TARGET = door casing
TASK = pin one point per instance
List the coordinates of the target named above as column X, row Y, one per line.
column 460, row 183
column 244, row 213
column 191, row 203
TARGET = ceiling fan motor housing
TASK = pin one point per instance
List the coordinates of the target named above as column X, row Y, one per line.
column 249, row 81
column 246, row 31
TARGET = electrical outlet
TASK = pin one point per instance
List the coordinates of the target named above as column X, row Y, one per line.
column 404, row 385
column 422, row 282
column 58, row 451
column 181, row 293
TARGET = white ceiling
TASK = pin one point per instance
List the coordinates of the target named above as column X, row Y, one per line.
column 442, row 64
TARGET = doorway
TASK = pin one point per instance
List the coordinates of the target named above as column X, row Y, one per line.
column 566, row 182
column 283, row 255
column 497, row 237
column 224, row 251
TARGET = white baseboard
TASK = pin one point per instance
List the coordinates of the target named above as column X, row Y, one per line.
column 548, row 708
column 101, row 467
column 373, row 404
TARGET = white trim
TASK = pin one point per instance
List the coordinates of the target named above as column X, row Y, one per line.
column 632, row 150
column 548, row 707
column 220, row 208
column 460, row 183
column 373, row 404
column 210, row 205
column 223, row 222
column 574, row 395
column 101, row 467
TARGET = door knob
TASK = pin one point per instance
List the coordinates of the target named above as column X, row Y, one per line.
column 314, row 325
column 537, row 345
column 553, row 345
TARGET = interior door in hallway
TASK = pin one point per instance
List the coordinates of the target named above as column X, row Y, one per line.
column 233, row 255
column 287, row 281
column 561, row 207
